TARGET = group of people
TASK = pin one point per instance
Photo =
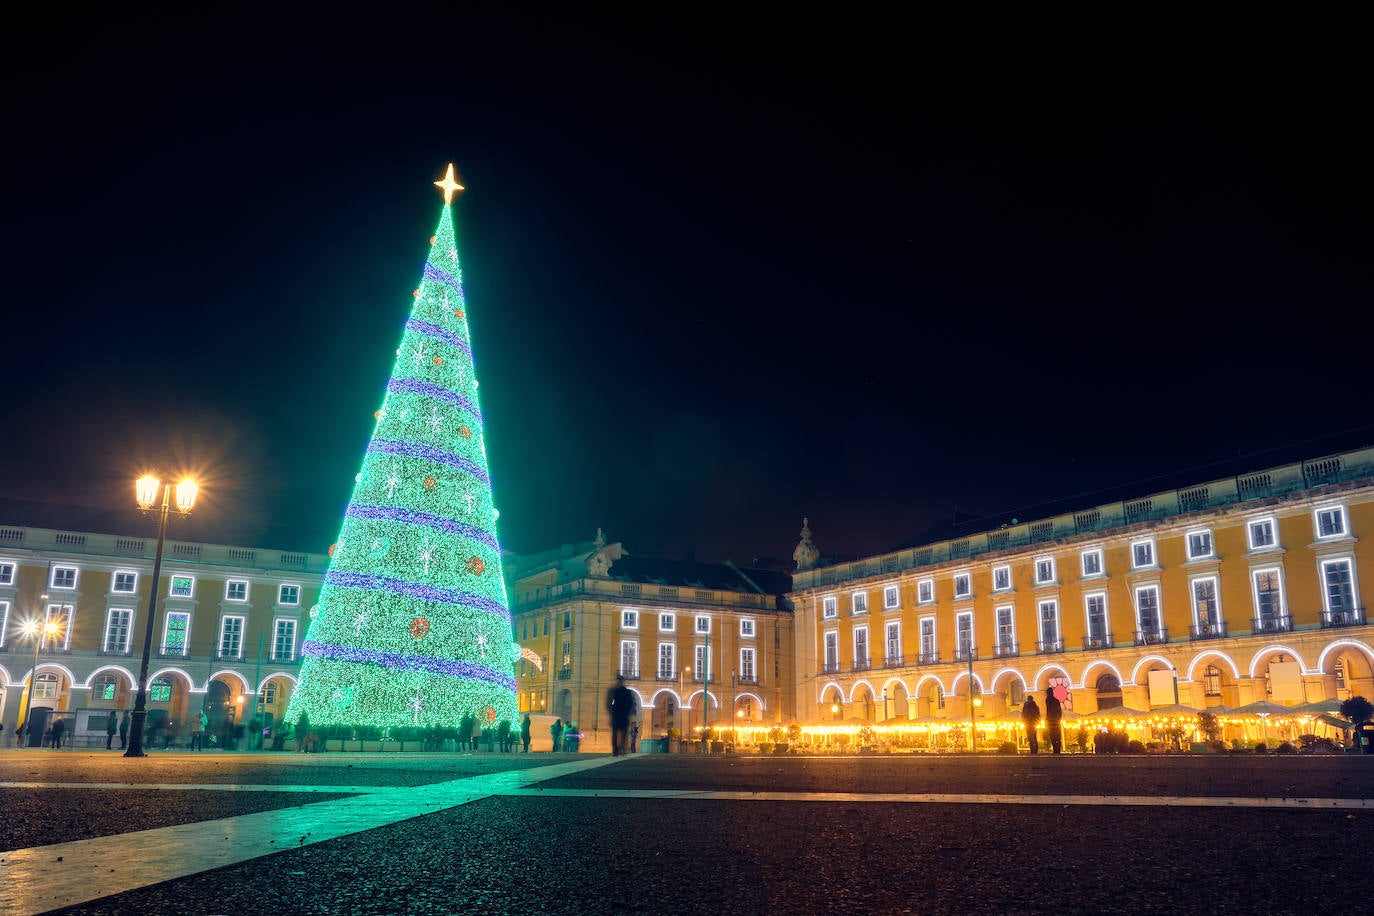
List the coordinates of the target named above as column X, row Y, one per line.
column 1054, row 718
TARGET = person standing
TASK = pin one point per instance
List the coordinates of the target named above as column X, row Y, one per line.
column 634, row 738
column 620, row 703
column 1030, row 717
column 124, row 730
column 1054, row 714
column 525, row 732
column 58, row 727
column 111, row 726
column 556, row 733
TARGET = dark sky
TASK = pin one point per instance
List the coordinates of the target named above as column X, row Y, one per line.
column 722, row 271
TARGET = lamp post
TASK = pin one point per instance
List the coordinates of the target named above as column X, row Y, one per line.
column 39, row 633
column 972, row 702
column 146, row 493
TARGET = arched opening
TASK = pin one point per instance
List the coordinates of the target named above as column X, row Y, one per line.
column 864, row 706
column 1108, row 692
column 562, row 707
column 663, row 715
column 1349, row 672
column 833, row 704
column 896, row 703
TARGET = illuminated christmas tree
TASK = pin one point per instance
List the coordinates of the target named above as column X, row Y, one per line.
column 412, row 626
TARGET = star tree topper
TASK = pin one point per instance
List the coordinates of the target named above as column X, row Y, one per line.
column 449, row 185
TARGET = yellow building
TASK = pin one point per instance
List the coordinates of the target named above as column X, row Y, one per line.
column 73, row 613
column 698, row 643
column 1218, row 595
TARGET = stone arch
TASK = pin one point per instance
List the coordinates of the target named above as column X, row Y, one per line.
column 832, row 701
column 244, row 686
column 1088, row 677
column 1042, row 676
column 863, row 701
column 963, row 675
column 1107, row 686
column 749, row 707
column 1193, row 668
column 1143, row 667
column 1271, row 650
column 854, row 690
column 1357, row 656
column 896, row 699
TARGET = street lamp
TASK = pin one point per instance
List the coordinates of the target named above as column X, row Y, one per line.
column 146, row 493
column 39, row 633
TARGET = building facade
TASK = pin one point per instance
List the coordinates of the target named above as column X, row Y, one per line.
column 227, row 627
column 699, row 644
column 1219, row 595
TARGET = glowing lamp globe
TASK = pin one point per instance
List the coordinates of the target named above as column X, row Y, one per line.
column 186, row 495
column 145, row 491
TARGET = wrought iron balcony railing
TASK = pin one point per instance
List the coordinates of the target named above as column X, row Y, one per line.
column 928, row 658
column 1005, row 650
column 1271, row 624
column 1350, row 617
column 1103, row 641
column 1151, row 637
column 1208, row 629
column 1048, row 647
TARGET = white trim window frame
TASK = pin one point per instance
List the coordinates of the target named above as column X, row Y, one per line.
column 113, row 628
column 284, row 633
column 236, row 590
column 830, row 607
column 231, row 630
column 1055, row 642
column 747, row 628
column 925, row 591
column 185, row 631
column 930, row 645
column 629, row 619
column 629, row 658
column 180, row 585
column 667, row 623
column 1262, row 533
column 1205, row 594
column 1097, row 620
column 702, row 669
column 1001, row 578
column 1339, row 593
column 963, row 635
column 64, row 578
column 892, row 598
column 1147, row 599
column 748, row 667
column 1329, row 522
column 289, row 594
column 892, row 645
column 1143, row 555
column 1045, row 571
column 124, row 582
column 4, row 622
column 858, row 603
column 1092, row 563
column 963, row 585
column 1200, row 544
column 861, row 661
column 1005, row 617
column 702, row 626
column 65, row 617
column 1277, row 605
column 830, row 641
column 7, row 571
column 667, row 661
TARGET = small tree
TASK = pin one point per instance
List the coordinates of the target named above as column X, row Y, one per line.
column 1209, row 726
column 1357, row 710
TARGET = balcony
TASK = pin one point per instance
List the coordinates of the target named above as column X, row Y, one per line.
column 629, row 674
column 564, row 674
column 228, row 655
column 1005, row 650
column 830, row 668
column 1350, row 617
column 860, row 665
column 171, row 652
column 666, row 677
column 965, row 654
column 1208, row 629
column 1049, row 647
column 894, row 661
column 1271, row 624
column 115, row 653
column 1151, row 637
column 1097, row 642
column 928, row 658
column 747, row 680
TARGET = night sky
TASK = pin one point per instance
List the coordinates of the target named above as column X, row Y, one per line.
column 722, row 272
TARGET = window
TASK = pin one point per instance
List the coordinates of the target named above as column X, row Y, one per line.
column 703, row 624
column 6, row 573
column 4, row 621
column 1142, row 554
column 1199, row 545
column 104, row 687
column 160, row 690
column 830, row 607
column 963, row 585
column 667, row 623
column 45, row 687
column 63, row 577
column 1001, row 578
column 746, row 627
column 1049, row 626
column 860, row 648
column 1147, row 614
column 1095, row 610
column 567, row 620
column 1006, row 629
column 1044, row 571
column 60, row 616
column 236, row 590
column 1092, row 562
column 702, row 669
column 1261, row 533
column 1211, row 681
column 546, row 625
column 629, row 658
column 1268, row 596
column 283, row 639
column 124, row 581
column 667, row 661
column 1206, row 611
column 746, row 665
column 269, row 694
column 231, row 637
column 832, row 650
column 1331, row 522
column 894, row 643
column 117, row 625
column 1339, row 591
column 289, row 594
column 963, row 638
column 891, row 598
column 928, row 651
column 175, row 632
column 182, row 587
column 860, row 604
column 629, row 620
column 925, row 591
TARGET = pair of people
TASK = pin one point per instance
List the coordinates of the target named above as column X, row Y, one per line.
column 1054, row 716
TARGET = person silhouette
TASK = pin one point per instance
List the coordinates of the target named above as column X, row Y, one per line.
column 1054, row 713
column 620, row 703
column 1030, row 717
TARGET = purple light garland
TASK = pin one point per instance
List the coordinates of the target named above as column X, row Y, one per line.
column 416, row 590
column 436, row 332
column 412, row 517
column 398, row 662
column 419, row 386
column 439, row 275
column 428, row 453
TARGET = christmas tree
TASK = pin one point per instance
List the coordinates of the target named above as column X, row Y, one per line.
column 412, row 626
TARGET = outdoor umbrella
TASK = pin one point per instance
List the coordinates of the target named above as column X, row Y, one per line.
column 1320, row 706
column 1175, row 710
column 1263, row 709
